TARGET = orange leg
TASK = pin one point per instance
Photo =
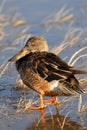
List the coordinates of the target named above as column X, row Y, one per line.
column 51, row 101
column 42, row 106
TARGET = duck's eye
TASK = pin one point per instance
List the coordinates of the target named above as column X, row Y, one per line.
column 33, row 44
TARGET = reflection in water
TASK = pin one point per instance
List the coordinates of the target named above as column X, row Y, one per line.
column 54, row 122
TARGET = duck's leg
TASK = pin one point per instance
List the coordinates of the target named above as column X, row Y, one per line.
column 42, row 106
column 53, row 101
column 41, row 101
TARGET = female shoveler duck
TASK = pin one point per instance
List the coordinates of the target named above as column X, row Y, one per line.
column 45, row 72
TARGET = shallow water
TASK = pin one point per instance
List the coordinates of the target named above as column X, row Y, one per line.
column 39, row 16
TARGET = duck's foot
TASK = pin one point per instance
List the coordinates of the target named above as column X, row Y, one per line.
column 38, row 107
column 43, row 103
column 42, row 106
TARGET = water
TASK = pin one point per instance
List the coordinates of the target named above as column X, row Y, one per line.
column 39, row 15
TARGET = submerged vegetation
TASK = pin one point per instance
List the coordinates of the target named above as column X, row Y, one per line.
column 13, row 106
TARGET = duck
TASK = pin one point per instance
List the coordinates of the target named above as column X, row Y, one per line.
column 45, row 72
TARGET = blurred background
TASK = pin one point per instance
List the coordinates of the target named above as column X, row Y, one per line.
column 64, row 25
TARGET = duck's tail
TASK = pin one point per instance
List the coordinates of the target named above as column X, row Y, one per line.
column 67, row 87
column 79, row 72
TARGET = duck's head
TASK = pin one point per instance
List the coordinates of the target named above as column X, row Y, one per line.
column 35, row 43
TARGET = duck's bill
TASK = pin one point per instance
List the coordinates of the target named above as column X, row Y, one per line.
column 19, row 55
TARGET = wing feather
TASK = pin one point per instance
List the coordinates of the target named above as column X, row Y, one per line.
column 49, row 66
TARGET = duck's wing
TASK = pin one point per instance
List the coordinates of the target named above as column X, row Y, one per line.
column 49, row 66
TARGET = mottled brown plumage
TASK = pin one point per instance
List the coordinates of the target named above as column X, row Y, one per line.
column 45, row 72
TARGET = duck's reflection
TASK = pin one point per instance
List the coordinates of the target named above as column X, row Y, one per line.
column 54, row 122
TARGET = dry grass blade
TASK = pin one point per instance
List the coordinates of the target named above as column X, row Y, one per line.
column 83, row 80
column 4, row 69
column 72, row 36
column 67, row 18
column 75, row 54
column 61, row 124
column 59, row 48
column 29, row 104
column 19, row 23
column 2, row 5
column 53, row 122
column 20, row 106
column 84, row 108
column 16, row 22
column 4, row 111
column 79, row 103
column 21, row 38
column 1, row 66
column 84, row 55
column 24, row 105
column 66, row 100
column 2, row 34
column 61, row 16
